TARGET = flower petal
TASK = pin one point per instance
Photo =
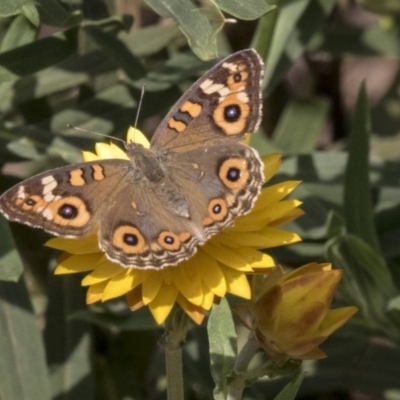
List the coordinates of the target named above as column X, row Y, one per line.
column 273, row 194
column 237, row 283
column 334, row 319
column 95, row 292
column 263, row 239
column 196, row 313
column 211, row 273
column 267, row 216
column 78, row 263
column 134, row 135
column 88, row 244
column 187, row 281
column 255, row 258
column 122, row 283
column 226, row 257
column 151, row 285
column 104, row 270
column 89, row 156
column 162, row 305
column 272, row 162
column 134, row 298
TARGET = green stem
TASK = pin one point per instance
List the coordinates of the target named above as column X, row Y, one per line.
column 176, row 328
column 241, row 366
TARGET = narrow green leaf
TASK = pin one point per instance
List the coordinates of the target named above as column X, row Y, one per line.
column 264, row 34
column 199, row 31
column 10, row 263
column 357, row 196
column 25, row 7
column 394, row 311
column 223, row 350
column 366, row 282
column 54, row 14
column 20, row 32
column 117, row 51
column 298, row 22
column 150, row 39
column 300, row 126
column 23, row 370
column 290, row 390
column 67, row 341
column 289, row 14
column 138, row 321
column 251, row 9
column 35, row 56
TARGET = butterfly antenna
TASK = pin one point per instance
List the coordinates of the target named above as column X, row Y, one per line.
column 94, row 133
column 140, row 104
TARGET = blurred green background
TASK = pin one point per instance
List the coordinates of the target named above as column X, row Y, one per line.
column 331, row 106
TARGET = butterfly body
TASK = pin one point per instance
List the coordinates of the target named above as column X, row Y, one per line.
column 153, row 210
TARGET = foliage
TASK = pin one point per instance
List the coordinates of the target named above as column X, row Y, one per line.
column 84, row 63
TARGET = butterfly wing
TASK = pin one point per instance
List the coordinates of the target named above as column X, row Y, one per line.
column 67, row 201
column 225, row 102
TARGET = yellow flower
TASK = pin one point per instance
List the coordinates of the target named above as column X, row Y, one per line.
column 219, row 266
column 290, row 316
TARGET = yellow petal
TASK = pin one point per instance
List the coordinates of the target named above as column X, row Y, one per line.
column 162, row 305
column 78, row 263
column 208, row 298
column 335, row 319
column 134, row 298
column 73, row 246
column 95, row 292
column 187, row 281
column 117, row 152
column 122, row 283
column 226, row 256
column 136, row 136
column 255, row 258
column 237, row 283
column 104, row 151
column 89, row 156
column 272, row 162
column 103, row 271
column 273, row 194
column 257, row 220
column 211, row 274
column 196, row 313
column 266, row 238
column 151, row 286
column 290, row 216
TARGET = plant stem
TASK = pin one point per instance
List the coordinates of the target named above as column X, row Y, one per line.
column 176, row 328
column 242, row 362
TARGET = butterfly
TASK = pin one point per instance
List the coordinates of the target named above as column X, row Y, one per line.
column 155, row 209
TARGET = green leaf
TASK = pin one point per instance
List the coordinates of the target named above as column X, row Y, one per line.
column 117, row 51
column 10, row 263
column 367, row 282
column 290, row 390
column 25, row 7
column 394, row 311
column 20, row 32
column 300, row 125
column 23, row 370
column 357, row 196
column 35, row 56
column 54, row 14
column 198, row 29
column 297, row 23
column 251, row 9
column 223, row 350
column 138, row 321
column 150, row 39
column 67, row 341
